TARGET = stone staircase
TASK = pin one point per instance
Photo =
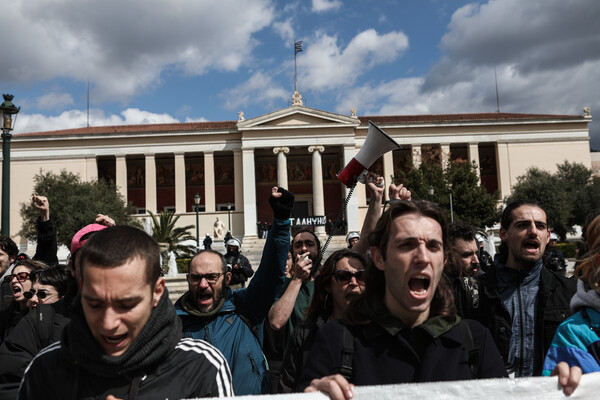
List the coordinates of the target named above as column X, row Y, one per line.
column 252, row 249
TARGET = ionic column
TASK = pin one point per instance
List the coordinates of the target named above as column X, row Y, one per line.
column 474, row 157
column 238, row 180
column 503, row 169
column 388, row 171
column 445, row 148
column 317, row 179
column 209, row 181
column 121, row 175
column 416, row 155
column 282, row 178
column 180, row 188
column 150, row 166
column 249, row 184
column 352, row 207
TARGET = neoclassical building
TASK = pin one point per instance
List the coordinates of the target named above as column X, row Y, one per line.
column 234, row 164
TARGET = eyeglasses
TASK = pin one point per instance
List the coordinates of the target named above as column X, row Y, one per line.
column 343, row 276
column 41, row 294
column 210, row 278
column 21, row 277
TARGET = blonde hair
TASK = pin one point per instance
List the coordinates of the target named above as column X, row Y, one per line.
column 589, row 269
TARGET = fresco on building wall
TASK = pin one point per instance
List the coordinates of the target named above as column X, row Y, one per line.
column 135, row 173
column 194, row 173
column 223, row 171
column 165, row 174
column 300, row 171
column 331, row 166
column 266, row 172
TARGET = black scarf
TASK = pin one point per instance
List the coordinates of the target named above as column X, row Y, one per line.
column 154, row 342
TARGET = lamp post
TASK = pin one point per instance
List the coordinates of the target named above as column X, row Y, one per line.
column 431, row 190
column 229, row 215
column 197, row 206
column 7, row 110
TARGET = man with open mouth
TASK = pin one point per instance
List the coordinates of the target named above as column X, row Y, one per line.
column 124, row 337
column 403, row 328
column 521, row 301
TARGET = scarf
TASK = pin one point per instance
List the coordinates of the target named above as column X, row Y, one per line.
column 584, row 298
column 156, row 340
column 188, row 306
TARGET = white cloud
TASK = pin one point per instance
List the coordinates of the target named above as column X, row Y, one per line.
column 325, row 65
column 122, row 48
column 285, row 30
column 320, row 6
column 259, row 89
column 78, row 119
column 54, row 101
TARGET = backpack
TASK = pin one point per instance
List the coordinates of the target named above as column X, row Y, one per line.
column 471, row 350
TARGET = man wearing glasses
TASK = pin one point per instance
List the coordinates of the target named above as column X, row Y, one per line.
column 232, row 321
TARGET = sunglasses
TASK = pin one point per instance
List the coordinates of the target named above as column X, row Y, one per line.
column 342, row 276
column 210, row 278
column 21, row 277
column 41, row 294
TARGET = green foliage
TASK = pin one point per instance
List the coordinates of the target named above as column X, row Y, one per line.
column 470, row 201
column 183, row 265
column 567, row 195
column 569, row 250
column 164, row 230
column 74, row 204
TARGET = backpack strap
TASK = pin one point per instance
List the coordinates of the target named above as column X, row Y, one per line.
column 347, row 354
column 240, row 311
column 470, row 348
column 45, row 323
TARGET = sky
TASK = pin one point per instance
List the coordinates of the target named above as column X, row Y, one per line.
column 151, row 61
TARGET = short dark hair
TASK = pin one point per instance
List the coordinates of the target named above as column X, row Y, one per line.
column 57, row 276
column 443, row 300
column 114, row 246
column 460, row 230
column 306, row 231
column 216, row 253
column 9, row 246
column 507, row 214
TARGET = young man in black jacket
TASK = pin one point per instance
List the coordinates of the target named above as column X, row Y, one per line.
column 124, row 338
column 404, row 327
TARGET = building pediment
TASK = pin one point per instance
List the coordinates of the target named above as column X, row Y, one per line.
column 297, row 117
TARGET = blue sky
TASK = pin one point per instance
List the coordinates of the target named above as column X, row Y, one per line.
column 151, row 61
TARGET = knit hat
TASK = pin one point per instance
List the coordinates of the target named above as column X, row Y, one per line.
column 83, row 235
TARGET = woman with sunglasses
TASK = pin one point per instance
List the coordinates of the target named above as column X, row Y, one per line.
column 341, row 279
column 48, row 285
column 20, row 283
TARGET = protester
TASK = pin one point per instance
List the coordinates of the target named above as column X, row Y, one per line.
column 554, row 259
column 577, row 339
column 239, row 265
column 8, row 254
column 340, row 280
column 20, row 283
column 49, row 285
column 124, row 336
column 404, row 327
column 232, row 321
column 521, row 302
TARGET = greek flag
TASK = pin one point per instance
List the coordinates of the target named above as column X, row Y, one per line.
column 297, row 47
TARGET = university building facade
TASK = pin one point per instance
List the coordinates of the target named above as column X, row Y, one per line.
column 233, row 165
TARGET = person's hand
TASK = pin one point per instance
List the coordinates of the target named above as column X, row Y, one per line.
column 111, row 397
column 105, row 220
column 302, row 267
column 399, row 192
column 335, row 386
column 282, row 202
column 41, row 203
column 375, row 184
column 568, row 377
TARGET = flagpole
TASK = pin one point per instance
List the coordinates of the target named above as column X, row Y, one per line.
column 295, row 69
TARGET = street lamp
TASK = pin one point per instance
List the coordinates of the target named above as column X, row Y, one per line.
column 431, row 191
column 197, row 204
column 229, row 215
column 7, row 110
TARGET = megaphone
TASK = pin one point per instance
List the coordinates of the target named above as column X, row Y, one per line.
column 376, row 144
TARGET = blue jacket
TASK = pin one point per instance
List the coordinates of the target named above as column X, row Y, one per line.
column 230, row 333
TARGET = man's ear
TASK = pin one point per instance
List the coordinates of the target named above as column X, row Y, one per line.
column 548, row 238
column 503, row 234
column 227, row 278
column 159, row 289
column 377, row 258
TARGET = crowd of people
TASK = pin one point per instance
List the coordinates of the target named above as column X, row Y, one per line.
column 407, row 300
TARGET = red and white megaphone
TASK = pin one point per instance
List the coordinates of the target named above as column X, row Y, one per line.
column 376, row 144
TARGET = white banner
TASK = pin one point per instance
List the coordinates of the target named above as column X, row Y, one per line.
column 538, row 388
